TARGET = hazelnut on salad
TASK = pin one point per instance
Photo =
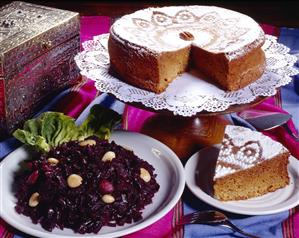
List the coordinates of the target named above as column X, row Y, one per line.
column 74, row 180
column 145, row 175
column 34, row 200
column 108, row 156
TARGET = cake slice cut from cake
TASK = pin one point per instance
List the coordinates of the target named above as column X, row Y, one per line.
column 249, row 164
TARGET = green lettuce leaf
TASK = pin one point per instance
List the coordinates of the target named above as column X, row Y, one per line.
column 51, row 129
column 30, row 139
column 99, row 122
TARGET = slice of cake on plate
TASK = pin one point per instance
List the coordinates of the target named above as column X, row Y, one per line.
column 249, row 164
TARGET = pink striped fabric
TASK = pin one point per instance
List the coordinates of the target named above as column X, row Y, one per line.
column 80, row 96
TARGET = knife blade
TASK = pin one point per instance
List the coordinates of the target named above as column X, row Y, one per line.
column 269, row 122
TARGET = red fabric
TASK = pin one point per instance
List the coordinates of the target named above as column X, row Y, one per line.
column 161, row 228
column 295, row 221
column 93, row 26
column 77, row 100
column 81, row 95
column 270, row 30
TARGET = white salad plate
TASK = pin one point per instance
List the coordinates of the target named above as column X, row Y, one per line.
column 199, row 171
column 170, row 176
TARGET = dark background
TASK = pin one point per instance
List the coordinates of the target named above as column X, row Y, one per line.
column 277, row 13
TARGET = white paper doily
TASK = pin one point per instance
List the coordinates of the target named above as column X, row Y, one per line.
column 187, row 95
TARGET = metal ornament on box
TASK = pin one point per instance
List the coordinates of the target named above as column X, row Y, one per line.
column 38, row 45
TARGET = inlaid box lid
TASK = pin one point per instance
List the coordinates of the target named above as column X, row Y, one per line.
column 28, row 30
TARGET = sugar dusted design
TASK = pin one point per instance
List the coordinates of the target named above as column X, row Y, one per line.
column 241, row 156
column 214, row 29
column 243, row 148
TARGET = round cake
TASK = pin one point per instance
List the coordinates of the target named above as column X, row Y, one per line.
column 151, row 47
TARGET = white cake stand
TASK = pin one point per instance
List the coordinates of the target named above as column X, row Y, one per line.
column 191, row 112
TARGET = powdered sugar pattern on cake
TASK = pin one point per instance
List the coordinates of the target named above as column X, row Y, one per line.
column 214, row 29
column 243, row 148
column 188, row 94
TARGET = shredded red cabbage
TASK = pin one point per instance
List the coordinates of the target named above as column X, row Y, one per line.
column 82, row 208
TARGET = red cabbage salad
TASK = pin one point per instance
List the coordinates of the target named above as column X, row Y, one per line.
column 79, row 180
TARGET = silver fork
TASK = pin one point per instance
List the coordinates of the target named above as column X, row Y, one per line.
column 212, row 218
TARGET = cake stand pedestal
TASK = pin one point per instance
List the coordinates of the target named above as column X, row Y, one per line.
column 186, row 135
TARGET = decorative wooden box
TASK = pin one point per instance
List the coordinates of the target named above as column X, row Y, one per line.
column 37, row 49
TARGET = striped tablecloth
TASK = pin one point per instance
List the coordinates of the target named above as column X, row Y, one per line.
column 77, row 101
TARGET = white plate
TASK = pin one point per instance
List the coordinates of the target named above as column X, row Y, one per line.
column 198, row 170
column 170, row 176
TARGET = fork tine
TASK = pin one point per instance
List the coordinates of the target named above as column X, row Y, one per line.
column 187, row 218
column 199, row 217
